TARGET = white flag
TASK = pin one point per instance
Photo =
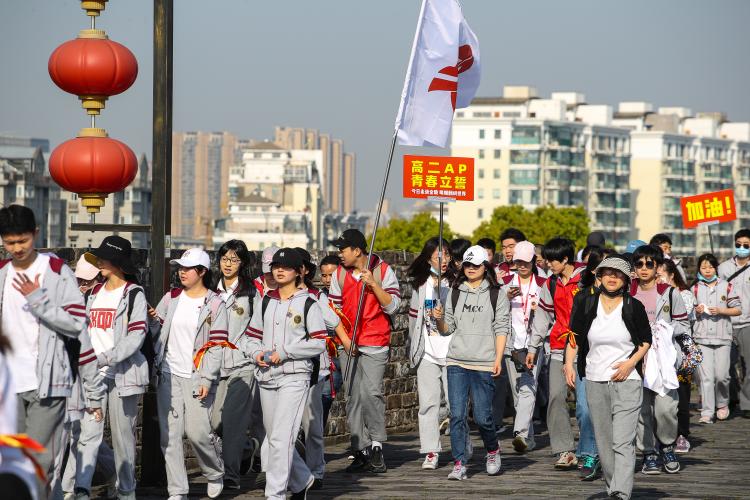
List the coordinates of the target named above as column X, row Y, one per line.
column 443, row 75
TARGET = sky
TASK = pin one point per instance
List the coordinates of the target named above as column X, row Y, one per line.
column 245, row 66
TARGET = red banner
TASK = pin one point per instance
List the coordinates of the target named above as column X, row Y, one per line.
column 709, row 207
column 439, row 176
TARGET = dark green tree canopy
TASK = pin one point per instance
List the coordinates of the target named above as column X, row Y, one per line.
column 411, row 234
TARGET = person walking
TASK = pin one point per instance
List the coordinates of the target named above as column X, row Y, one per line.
column 611, row 334
column 477, row 317
column 285, row 336
column 717, row 303
column 190, row 330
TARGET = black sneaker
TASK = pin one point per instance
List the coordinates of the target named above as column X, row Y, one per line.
column 670, row 460
column 360, row 463
column 591, row 468
column 651, row 464
column 260, row 481
column 230, row 484
column 247, row 464
column 377, row 462
column 302, row 495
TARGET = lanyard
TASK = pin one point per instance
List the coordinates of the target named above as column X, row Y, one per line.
column 525, row 301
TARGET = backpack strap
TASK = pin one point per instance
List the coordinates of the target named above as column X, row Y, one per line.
column 264, row 306
column 455, row 292
column 738, row 272
column 671, row 290
column 494, row 294
column 309, row 303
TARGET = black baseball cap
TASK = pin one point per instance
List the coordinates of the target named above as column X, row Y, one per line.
column 351, row 238
column 287, row 257
column 115, row 249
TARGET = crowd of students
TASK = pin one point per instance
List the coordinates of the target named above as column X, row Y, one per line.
column 247, row 367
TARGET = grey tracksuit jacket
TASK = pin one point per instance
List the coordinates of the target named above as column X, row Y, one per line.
column 282, row 329
column 714, row 329
column 472, row 325
column 130, row 366
column 212, row 326
column 58, row 306
column 741, row 285
column 239, row 310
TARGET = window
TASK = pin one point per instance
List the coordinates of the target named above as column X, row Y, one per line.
column 480, row 193
column 496, row 194
column 498, row 133
column 481, row 133
column 496, row 173
column 497, row 154
column 480, row 213
column 460, row 114
column 480, row 173
column 481, row 154
column 524, row 177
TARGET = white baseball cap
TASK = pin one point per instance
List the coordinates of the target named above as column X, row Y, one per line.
column 193, row 257
column 267, row 258
column 85, row 270
column 476, row 255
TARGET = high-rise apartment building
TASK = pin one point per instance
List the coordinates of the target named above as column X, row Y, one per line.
column 200, row 183
column 627, row 168
column 337, row 171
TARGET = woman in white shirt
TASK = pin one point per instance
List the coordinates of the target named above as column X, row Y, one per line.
column 190, row 331
column 613, row 333
column 428, row 347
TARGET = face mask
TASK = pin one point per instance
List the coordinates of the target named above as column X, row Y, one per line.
column 609, row 294
column 667, row 256
column 707, row 280
column 743, row 253
column 434, row 271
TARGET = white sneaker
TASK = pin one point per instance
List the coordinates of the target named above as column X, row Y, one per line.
column 69, row 496
column 458, row 473
column 430, row 461
column 493, row 462
column 215, row 487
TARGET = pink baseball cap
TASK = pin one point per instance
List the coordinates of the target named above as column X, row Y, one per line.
column 524, row 251
column 85, row 270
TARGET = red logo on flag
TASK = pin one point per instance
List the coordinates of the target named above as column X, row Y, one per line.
column 465, row 60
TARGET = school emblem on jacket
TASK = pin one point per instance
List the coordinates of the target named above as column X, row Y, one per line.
column 665, row 308
column 723, row 298
column 297, row 320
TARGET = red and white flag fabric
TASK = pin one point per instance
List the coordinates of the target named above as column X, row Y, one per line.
column 443, row 75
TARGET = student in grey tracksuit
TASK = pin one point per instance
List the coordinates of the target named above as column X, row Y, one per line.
column 42, row 289
column 187, row 322
column 738, row 269
column 717, row 302
column 657, row 424
column 117, row 327
column 282, row 343
column 237, row 404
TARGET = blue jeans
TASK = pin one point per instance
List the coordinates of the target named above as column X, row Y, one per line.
column 482, row 387
column 586, row 439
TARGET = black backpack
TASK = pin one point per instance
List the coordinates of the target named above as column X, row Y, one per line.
column 494, row 293
column 309, row 302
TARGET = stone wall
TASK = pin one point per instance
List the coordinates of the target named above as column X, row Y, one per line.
column 400, row 387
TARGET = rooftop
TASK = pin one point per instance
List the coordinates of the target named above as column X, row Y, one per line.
column 264, row 145
column 17, row 152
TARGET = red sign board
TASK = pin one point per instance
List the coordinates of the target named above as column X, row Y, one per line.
column 709, row 207
column 439, row 176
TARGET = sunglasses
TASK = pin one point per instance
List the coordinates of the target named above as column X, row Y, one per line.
column 647, row 264
column 742, row 245
column 469, row 265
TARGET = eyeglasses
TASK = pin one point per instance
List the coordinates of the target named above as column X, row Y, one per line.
column 647, row 264
column 227, row 260
column 742, row 245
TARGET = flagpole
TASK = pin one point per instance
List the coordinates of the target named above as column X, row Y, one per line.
column 360, row 304
column 440, row 250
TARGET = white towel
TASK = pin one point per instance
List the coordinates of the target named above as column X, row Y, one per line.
column 660, row 374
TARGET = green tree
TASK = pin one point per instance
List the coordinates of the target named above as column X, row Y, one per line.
column 539, row 225
column 410, row 234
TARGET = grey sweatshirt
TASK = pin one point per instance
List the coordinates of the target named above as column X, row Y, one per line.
column 472, row 326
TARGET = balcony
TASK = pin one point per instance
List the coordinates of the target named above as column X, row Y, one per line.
column 605, row 163
column 678, row 169
column 558, row 158
column 524, row 177
column 522, row 157
column 526, row 135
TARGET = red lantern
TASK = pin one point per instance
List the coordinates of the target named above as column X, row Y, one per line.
column 93, row 165
column 93, row 68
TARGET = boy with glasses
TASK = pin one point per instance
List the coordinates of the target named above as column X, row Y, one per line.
column 658, row 419
column 737, row 271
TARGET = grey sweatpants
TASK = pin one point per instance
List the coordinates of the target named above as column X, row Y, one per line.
column 123, row 412
column 714, row 378
column 42, row 420
column 180, row 413
column 237, row 407
column 282, row 414
column 312, row 424
column 743, row 346
column 558, row 415
column 614, row 408
column 523, row 385
column 365, row 407
column 105, row 458
column 657, row 421
column 432, row 382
